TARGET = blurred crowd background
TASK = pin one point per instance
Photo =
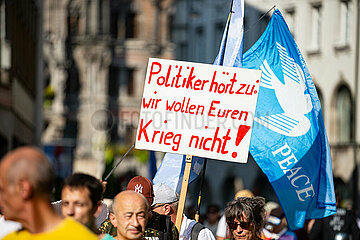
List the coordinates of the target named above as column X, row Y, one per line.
column 72, row 75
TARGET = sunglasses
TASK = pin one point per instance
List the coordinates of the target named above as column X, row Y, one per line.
column 243, row 225
column 158, row 205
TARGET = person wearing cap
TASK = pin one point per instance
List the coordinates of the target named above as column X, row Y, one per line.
column 166, row 202
column 276, row 225
column 159, row 227
column 81, row 197
column 269, row 206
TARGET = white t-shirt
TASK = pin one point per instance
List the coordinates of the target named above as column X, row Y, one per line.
column 186, row 227
column 212, row 228
column 7, row 227
column 222, row 227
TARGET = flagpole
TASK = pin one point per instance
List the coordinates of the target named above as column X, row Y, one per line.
column 117, row 164
column 226, row 36
column 262, row 16
column 197, row 213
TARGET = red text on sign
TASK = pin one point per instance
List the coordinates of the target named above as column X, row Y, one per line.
column 177, row 81
column 225, row 113
column 208, row 144
column 231, row 88
column 159, row 137
column 185, row 107
column 151, row 103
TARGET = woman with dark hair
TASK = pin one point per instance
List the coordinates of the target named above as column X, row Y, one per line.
column 246, row 217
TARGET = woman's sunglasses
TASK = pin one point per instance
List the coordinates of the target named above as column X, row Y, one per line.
column 243, row 225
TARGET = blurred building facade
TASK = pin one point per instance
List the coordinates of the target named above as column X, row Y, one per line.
column 327, row 33
column 20, row 73
column 96, row 54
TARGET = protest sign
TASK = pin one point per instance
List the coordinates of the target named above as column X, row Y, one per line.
column 198, row 109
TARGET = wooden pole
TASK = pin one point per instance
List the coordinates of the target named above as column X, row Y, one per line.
column 184, row 187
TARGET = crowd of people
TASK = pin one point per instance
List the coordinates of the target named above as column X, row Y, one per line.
column 142, row 211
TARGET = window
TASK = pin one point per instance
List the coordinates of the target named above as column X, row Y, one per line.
column 73, row 19
column 73, row 23
column 219, row 29
column 170, row 25
column 114, row 83
column 200, row 45
column 344, row 23
column 114, row 23
column 290, row 20
column 5, row 19
column 321, row 99
column 100, row 17
column 5, row 50
column 344, row 115
column 130, row 23
column 87, row 17
column 130, row 81
column 182, row 51
column 316, row 27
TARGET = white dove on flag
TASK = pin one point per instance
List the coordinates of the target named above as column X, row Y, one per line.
column 290, row 95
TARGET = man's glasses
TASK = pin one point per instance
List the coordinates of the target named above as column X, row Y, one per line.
column 243, row 225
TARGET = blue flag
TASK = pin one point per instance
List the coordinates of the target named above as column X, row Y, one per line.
column 171, row 170
column 289, row 140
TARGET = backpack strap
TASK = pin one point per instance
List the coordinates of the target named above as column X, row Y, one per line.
column 196, row 230
column 165, row 227
column 167, row 233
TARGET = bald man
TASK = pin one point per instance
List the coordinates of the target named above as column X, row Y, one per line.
column 26, row 184
column 130, row 214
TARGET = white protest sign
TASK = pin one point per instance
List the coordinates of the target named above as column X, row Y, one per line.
column 198, row 109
